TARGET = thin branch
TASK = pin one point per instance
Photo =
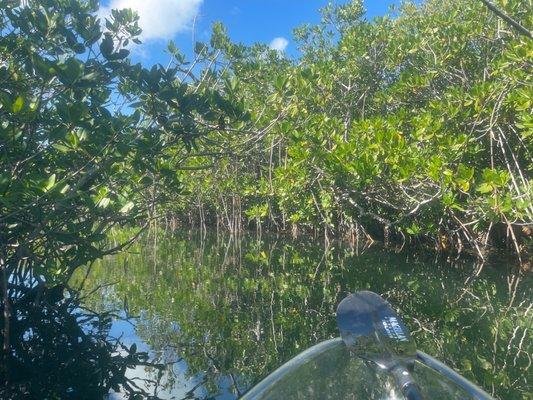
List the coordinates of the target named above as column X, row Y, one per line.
column 522, row 30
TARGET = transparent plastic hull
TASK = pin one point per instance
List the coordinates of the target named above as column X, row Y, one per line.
column 327, row 371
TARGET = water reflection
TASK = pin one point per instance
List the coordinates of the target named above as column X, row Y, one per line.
column 60, row 350
column 222, row 313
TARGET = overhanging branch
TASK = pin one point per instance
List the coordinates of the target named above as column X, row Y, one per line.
column 524, row 31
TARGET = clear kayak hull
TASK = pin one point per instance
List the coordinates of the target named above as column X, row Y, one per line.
column 327, row 371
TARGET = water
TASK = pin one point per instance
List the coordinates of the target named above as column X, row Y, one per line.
column 219, row 314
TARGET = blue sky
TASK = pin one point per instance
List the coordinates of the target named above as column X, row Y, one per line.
column 247, row 21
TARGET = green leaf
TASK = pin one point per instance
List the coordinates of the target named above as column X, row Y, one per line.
column 49, row 183
column 414, row 229
column 484, row 188
column 466, row 364
column 62, row 148
column 171, row 47
column 92, row 76
column 484, row 363
column 464, row 172
column 127, row 207
column 107, row 45
column 18, row 104
column 104, row 202
column 199, row 47
column 65, row 188
column 74, row 68
column 70, row 70
column 73, row 140
column 123, row 53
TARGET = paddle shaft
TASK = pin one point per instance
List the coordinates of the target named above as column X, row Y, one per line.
column 406, row 383
column 411, row 392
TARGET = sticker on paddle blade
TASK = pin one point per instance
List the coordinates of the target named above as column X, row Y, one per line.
column 394, row 329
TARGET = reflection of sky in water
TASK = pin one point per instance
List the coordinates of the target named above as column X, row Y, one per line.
column 174, row 382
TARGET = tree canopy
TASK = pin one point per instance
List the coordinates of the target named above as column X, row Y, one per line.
column 411, row 127
column 86, row 138
column 85, row 134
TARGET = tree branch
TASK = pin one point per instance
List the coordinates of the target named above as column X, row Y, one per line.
column 524, row 31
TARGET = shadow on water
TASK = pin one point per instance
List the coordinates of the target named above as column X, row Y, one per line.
column 61, row 350
column 184, row 318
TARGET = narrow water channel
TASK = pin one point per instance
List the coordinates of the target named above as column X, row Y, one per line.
column 217, row 314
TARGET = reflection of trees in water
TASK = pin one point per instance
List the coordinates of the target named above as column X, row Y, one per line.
column 61, row 351
column 243, row 307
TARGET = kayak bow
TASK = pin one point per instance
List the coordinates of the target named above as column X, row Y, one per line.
column 381, row 363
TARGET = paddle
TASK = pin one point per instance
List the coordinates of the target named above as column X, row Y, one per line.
column 373, row 331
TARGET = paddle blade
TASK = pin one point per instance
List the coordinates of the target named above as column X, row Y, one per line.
column 374, row 331
column 355, row 315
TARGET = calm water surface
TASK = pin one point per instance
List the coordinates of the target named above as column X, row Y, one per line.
column 219, row 314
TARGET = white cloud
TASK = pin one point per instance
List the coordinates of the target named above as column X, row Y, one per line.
column 279, row 44
column 235, row 11
column 159, row 19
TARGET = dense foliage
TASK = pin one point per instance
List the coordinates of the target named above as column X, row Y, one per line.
column 85, row 133
column 86, row 138
column 415, row 126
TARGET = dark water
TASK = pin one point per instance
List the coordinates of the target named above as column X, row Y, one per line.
column 219, row 314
